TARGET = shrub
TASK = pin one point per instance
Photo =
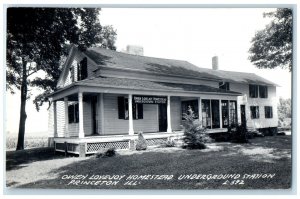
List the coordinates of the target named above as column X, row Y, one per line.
column 170, row 142
column 195, row 136
column 106, row 153
column 141, row 143
column 239, row 133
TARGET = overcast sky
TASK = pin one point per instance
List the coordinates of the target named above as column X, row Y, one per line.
column 194, row 35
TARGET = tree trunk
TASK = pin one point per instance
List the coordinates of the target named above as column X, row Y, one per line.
column 23, row 115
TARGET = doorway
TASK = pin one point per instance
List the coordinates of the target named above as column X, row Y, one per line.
column 94, row 115
column 162, row 117
column 243, row 115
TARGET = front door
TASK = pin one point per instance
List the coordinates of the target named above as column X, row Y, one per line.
column 94, row 115
column 162, row 117
column 243, row 115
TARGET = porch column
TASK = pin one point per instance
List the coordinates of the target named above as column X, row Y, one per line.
column 169, row 129
column 130, row 114
column 66, row 117
column 221, row 119
column 80, row 110
column 101, row 113
column 200, row 111
column 55, row 119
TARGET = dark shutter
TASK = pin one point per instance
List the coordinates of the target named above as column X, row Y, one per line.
column 140, row 111
column 121, row 108
column 71, row 113
column 83, row 71
column 134, row 111
column 78, row 71
column 76, row 106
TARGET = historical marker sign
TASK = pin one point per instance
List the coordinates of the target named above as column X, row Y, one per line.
column 149, row 99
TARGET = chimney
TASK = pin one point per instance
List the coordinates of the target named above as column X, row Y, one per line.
column 215, row 63
column 135, row 50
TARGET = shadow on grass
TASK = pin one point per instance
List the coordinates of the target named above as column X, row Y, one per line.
column 221, row 158
column 19, row 159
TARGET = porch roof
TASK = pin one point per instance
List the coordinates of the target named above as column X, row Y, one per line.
column 145, row 85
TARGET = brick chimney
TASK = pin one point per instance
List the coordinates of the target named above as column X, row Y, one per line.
column 135, row 50
column 215, row 63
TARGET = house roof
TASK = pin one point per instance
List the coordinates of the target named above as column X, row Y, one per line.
column 113, row 59
column 135, row 84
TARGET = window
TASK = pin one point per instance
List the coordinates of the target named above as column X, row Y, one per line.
column 194, row 106
column 73, row 113
column 137, row 109
column 254, row 112
column 215, row 113
column 82, row 69
column 268, row 112
column 263, row 91
column 224, row 85
column 72, row 76
column 225, row 113
column 253, row 91
column 232, row 112
column 206, row 119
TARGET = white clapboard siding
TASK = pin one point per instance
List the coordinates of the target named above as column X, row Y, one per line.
column 176, row 113
column 113, row 125
column 73, row 127
column 261, row 122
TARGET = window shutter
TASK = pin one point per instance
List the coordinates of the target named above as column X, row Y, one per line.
column 134, row 111
column 76, row 113
column 140, row 111
column 121, row 108
column 83, row 71
column 79, row 71
column 71, row 113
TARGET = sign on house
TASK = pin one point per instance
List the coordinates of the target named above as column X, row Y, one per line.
column 149, row 99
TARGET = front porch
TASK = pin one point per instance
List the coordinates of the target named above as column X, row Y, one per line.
column 92, row 144
column 89, row 118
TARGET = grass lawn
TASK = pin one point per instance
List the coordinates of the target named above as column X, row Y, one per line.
column 265, row 163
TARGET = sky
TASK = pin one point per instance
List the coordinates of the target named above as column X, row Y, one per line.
column 191, row 34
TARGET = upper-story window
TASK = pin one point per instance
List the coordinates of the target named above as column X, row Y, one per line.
column 224, row 85
column 256, row 91
column 253, row 91
column 263, row 91
column 82, row 69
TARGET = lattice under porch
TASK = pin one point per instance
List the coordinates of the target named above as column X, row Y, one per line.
column 91, row 145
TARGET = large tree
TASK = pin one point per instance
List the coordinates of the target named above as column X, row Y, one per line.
column 36, row 41
column 272, row 46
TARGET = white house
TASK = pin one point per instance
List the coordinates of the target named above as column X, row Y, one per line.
column 104, row 98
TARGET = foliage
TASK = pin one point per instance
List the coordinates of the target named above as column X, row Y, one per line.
column 29, row 142
column 239, row 133
column 141, row 143
column 170, row 142
column 106, row 153
column 272, row 46
column 195, row 136
column 37, row 40
column 284, row 110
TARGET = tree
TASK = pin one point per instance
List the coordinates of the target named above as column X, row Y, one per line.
column 284, row 109
column 36, row 40
column 272, row 46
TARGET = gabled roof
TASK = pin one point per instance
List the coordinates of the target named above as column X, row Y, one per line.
column 113, row 59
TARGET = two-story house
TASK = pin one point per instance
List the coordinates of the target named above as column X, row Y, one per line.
column 104, row 98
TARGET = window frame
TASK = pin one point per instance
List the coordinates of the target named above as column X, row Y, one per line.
column 263, row 91
column 254, row 109
column 268, row 112
column 194, row 105
column 224, row 86
column 73, row 113
column 123, row 109
column 253, row 91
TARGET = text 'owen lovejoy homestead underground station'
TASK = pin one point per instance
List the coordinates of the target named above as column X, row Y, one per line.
column 134, row 180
